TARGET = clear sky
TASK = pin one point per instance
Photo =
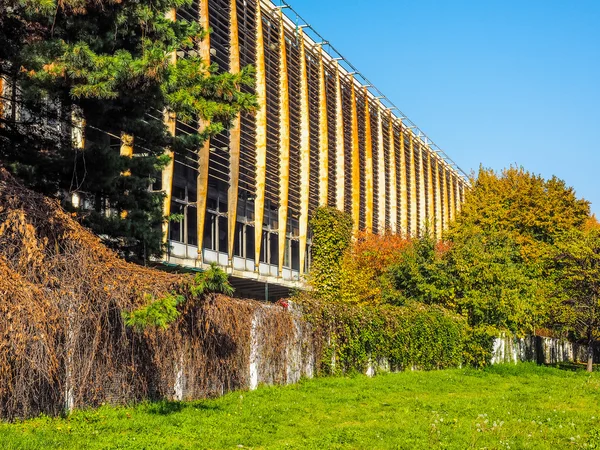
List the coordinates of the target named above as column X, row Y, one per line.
column 491, row 82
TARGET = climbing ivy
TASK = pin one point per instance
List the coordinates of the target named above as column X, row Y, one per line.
column 414, row 336
column 332, row 235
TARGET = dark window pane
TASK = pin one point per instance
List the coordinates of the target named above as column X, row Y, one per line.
column 295, row 255
column 223, row 235
column 274, row 249
column 250, row 242
column 209, row 227
column 192, row 226
column 239, row 242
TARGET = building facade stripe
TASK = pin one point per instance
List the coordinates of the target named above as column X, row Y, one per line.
column 204, row 150
column 234, row 135
column 339, row 143
column 323, row 134
column 368, row 168
column 284, row 144
column 261, row 137
column 304, row 154
column 355, row 160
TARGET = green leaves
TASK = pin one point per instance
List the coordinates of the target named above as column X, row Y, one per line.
column 160, row 313
column 157, row 313
column 212, row 280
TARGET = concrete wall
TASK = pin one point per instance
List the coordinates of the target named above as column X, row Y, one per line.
column 543, row 350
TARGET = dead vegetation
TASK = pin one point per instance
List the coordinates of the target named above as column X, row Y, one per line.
column 63, row 342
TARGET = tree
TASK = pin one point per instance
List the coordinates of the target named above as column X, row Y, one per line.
column 109, row 61
column 532, row 210
column 578, row 265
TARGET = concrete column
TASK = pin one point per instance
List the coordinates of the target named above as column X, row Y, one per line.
column 382, row 197
column 445, row 206
column 438, row 201
column 413, row 189
column 355, row 161
column 284, row 143
column 204, row 150
column 430, row 193
column 393, row 199
column 451, row 186
column 339, row 143
column 422, row 192
column 323, row 135
column 234, row 137
column 170, row 121
column 368, row 167
column 304, row 154
column 261, row 137
column 403, row 187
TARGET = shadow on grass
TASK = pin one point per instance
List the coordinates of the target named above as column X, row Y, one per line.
column 573, row 366
column 165, row 407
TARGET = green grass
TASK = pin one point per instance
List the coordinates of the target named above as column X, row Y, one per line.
column 523, row 406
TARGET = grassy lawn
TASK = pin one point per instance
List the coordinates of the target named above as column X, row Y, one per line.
column 523, row 406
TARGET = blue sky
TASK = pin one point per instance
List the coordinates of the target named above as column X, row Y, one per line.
column 491, row 82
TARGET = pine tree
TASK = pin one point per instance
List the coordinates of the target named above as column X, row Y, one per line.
column 109, row 62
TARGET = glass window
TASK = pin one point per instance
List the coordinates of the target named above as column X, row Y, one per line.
column 209, row 231
column 223, row 234
column 249, row 242
column 295, row 255
column 238, row 249
column 192, row 226
column 274, row 247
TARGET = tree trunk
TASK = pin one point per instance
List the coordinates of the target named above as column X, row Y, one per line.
column 590, row 355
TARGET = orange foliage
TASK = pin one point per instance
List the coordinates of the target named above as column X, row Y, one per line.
column 364, row 267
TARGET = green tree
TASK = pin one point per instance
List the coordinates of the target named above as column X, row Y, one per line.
column 110, row 62
column 532, row 210
column 578, row 264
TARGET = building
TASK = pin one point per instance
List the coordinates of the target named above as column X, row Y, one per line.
column 321, row 136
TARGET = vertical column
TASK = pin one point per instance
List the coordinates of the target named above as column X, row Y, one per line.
column 234, row 136
column 460, row 195
column 368, row 167
column 304, row 154
column 355, row 161
column 403, row 187
column 430, row 197
column 452, row 196
column 261, row 137
column 169, row 119
column 438, row 201
column 284, row 143
column 382, row 198
column 422, row 193
column 204, row 150
column 393, row 199
column 323, row 135
column 413, row 189
column 445, row 206
column 339, row 143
